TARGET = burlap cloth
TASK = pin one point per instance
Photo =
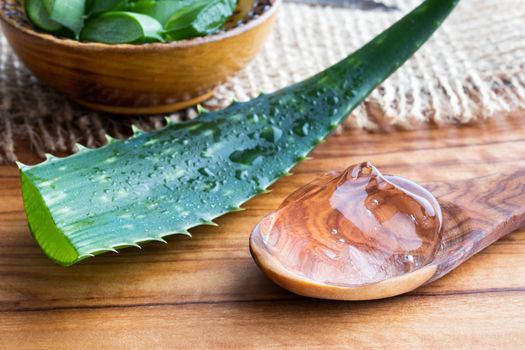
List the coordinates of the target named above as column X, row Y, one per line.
column 471, row 69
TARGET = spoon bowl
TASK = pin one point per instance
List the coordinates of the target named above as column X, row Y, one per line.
column 309, row 288
column 475, row 213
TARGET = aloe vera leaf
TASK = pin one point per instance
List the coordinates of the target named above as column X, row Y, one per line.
column 37, row 13
column 99, row 6
column 120, row 27
column 161, row 10
column 165, row 182
column 69, row 13
column 198, row 18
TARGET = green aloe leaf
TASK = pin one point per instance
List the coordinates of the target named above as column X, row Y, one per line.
column 198, row 18
column 165, row 182
column 120, row 27
column 161, row 10
column 69, row 13
column 38, row 15
column 99, row 6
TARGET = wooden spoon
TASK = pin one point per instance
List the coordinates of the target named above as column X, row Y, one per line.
column 475, row 212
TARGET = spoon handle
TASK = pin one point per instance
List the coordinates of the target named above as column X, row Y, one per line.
column 476, row 213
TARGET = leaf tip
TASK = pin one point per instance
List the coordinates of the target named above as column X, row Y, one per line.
column 136, row 130
column 160, row 239
column 169, row 121
column 22, row 166
column 285, row 173
column 333, row 126
column 319, row 141
column 201, row 109
column 209, row 222
column 303, row 158
column 235, row 101
column 80, row 147
column 236, row 209
column 85, row 256
column 109, row 139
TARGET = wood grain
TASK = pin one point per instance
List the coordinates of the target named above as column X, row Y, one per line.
column 207, row 292
column 476, row 213
column 137, row 79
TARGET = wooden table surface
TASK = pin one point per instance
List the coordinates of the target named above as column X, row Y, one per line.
column 206, row 292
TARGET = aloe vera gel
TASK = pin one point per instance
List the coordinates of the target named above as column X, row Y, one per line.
column 128, row 21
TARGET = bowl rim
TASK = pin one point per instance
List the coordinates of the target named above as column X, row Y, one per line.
column 150, row 47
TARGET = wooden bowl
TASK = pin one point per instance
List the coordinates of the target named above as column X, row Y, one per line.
column 138, row 79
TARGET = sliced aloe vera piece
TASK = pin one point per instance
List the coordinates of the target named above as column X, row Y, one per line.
column 69, row 13
column 99, row 6
column 199, row 18
column 37, row 13
column 165, row 182
column 120, row 27
column 161, row 10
